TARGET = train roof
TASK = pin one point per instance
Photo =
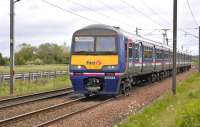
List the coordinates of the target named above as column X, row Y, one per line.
column 101, row 26
column 133, row 37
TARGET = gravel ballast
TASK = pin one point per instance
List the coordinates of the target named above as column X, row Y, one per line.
column 28, row 107
column 113, row 112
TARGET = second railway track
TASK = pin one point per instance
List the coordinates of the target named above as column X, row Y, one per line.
column 65, row 116
column 46, row 115
column 11, row 102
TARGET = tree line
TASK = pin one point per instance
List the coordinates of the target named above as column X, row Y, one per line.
column 48, row 53
column 4, row 60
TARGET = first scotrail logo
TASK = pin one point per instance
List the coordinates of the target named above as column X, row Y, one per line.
column 98, row 62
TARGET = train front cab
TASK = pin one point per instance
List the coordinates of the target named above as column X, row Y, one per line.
column 98, row 70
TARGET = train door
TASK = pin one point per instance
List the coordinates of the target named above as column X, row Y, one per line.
column 130, row 56
column 162, row 59
column 158, row 59
column 154, row 58
column 141, row 50
column 136, row 58
column 168, row 59
column 126, row 54
column 147, row 59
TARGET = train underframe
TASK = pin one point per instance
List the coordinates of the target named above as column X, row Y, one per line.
column 113, row 85
column 129, row 81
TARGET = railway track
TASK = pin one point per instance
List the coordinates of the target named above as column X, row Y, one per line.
column 53, row 113
column 72, row 113
column 15, row 101
column 35, row 113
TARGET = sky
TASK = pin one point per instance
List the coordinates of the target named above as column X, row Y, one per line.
column 54, row 21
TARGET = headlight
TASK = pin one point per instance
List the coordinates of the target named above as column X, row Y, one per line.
column 77, row 67
column 110, row 67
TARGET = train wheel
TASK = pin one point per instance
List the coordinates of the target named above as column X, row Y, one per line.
column 149, row 78
column 153, row 77
column 133, row 82
column 162, row 76
column 86, row 95
column 158, row 77
column 123, row 89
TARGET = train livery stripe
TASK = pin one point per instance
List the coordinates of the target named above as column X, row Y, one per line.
column 95, row 74
column 94, row 62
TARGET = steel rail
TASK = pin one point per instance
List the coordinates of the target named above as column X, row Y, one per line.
column 15, row 101
column 23, row 116
column 75, row 112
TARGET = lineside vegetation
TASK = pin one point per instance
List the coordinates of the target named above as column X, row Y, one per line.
column 41, row 85
column 47, row 53
column 35, row 68
column 182, row 110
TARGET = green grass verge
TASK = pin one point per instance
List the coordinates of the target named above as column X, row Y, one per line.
column 34, row 68
column 41, row 85
column 182, row 110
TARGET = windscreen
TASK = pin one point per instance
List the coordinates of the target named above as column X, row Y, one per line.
column 84, row 44
column 105, row 44
column 94, row 44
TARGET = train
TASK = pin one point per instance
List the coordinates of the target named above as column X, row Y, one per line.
column 105, row 60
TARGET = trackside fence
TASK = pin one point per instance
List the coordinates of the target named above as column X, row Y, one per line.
column 33, row 75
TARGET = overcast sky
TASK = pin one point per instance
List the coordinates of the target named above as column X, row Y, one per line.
column 38, row 22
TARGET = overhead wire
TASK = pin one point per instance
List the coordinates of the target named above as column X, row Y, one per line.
column 155, row 12
column 92, row 20
column 114, row 10
column 117, row 11
column 69, row 11
column 188, row 33
column 84, row 17
column 195, row 21
column 191, row 12
column 102, row 14
column 181, row 29
column 149, row 33
column 78, row 15
column 142, row 13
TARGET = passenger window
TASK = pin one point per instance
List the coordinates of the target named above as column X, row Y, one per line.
column 166, row 55
column 148, row 53
column 158, row 54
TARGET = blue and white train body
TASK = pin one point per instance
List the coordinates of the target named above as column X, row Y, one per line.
column 105, row 60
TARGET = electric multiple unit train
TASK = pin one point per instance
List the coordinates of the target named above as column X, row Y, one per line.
column 106, row 60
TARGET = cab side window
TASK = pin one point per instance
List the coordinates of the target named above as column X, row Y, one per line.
column 130, row 50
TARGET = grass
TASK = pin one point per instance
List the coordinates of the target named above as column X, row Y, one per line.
column 41, row 85
column 34, row 68
column 182, row 110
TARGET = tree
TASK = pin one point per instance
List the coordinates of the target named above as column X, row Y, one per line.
column 25, row 54
column 51, row 53
column 47, row 53
column 66, row 55
column 3, row 60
